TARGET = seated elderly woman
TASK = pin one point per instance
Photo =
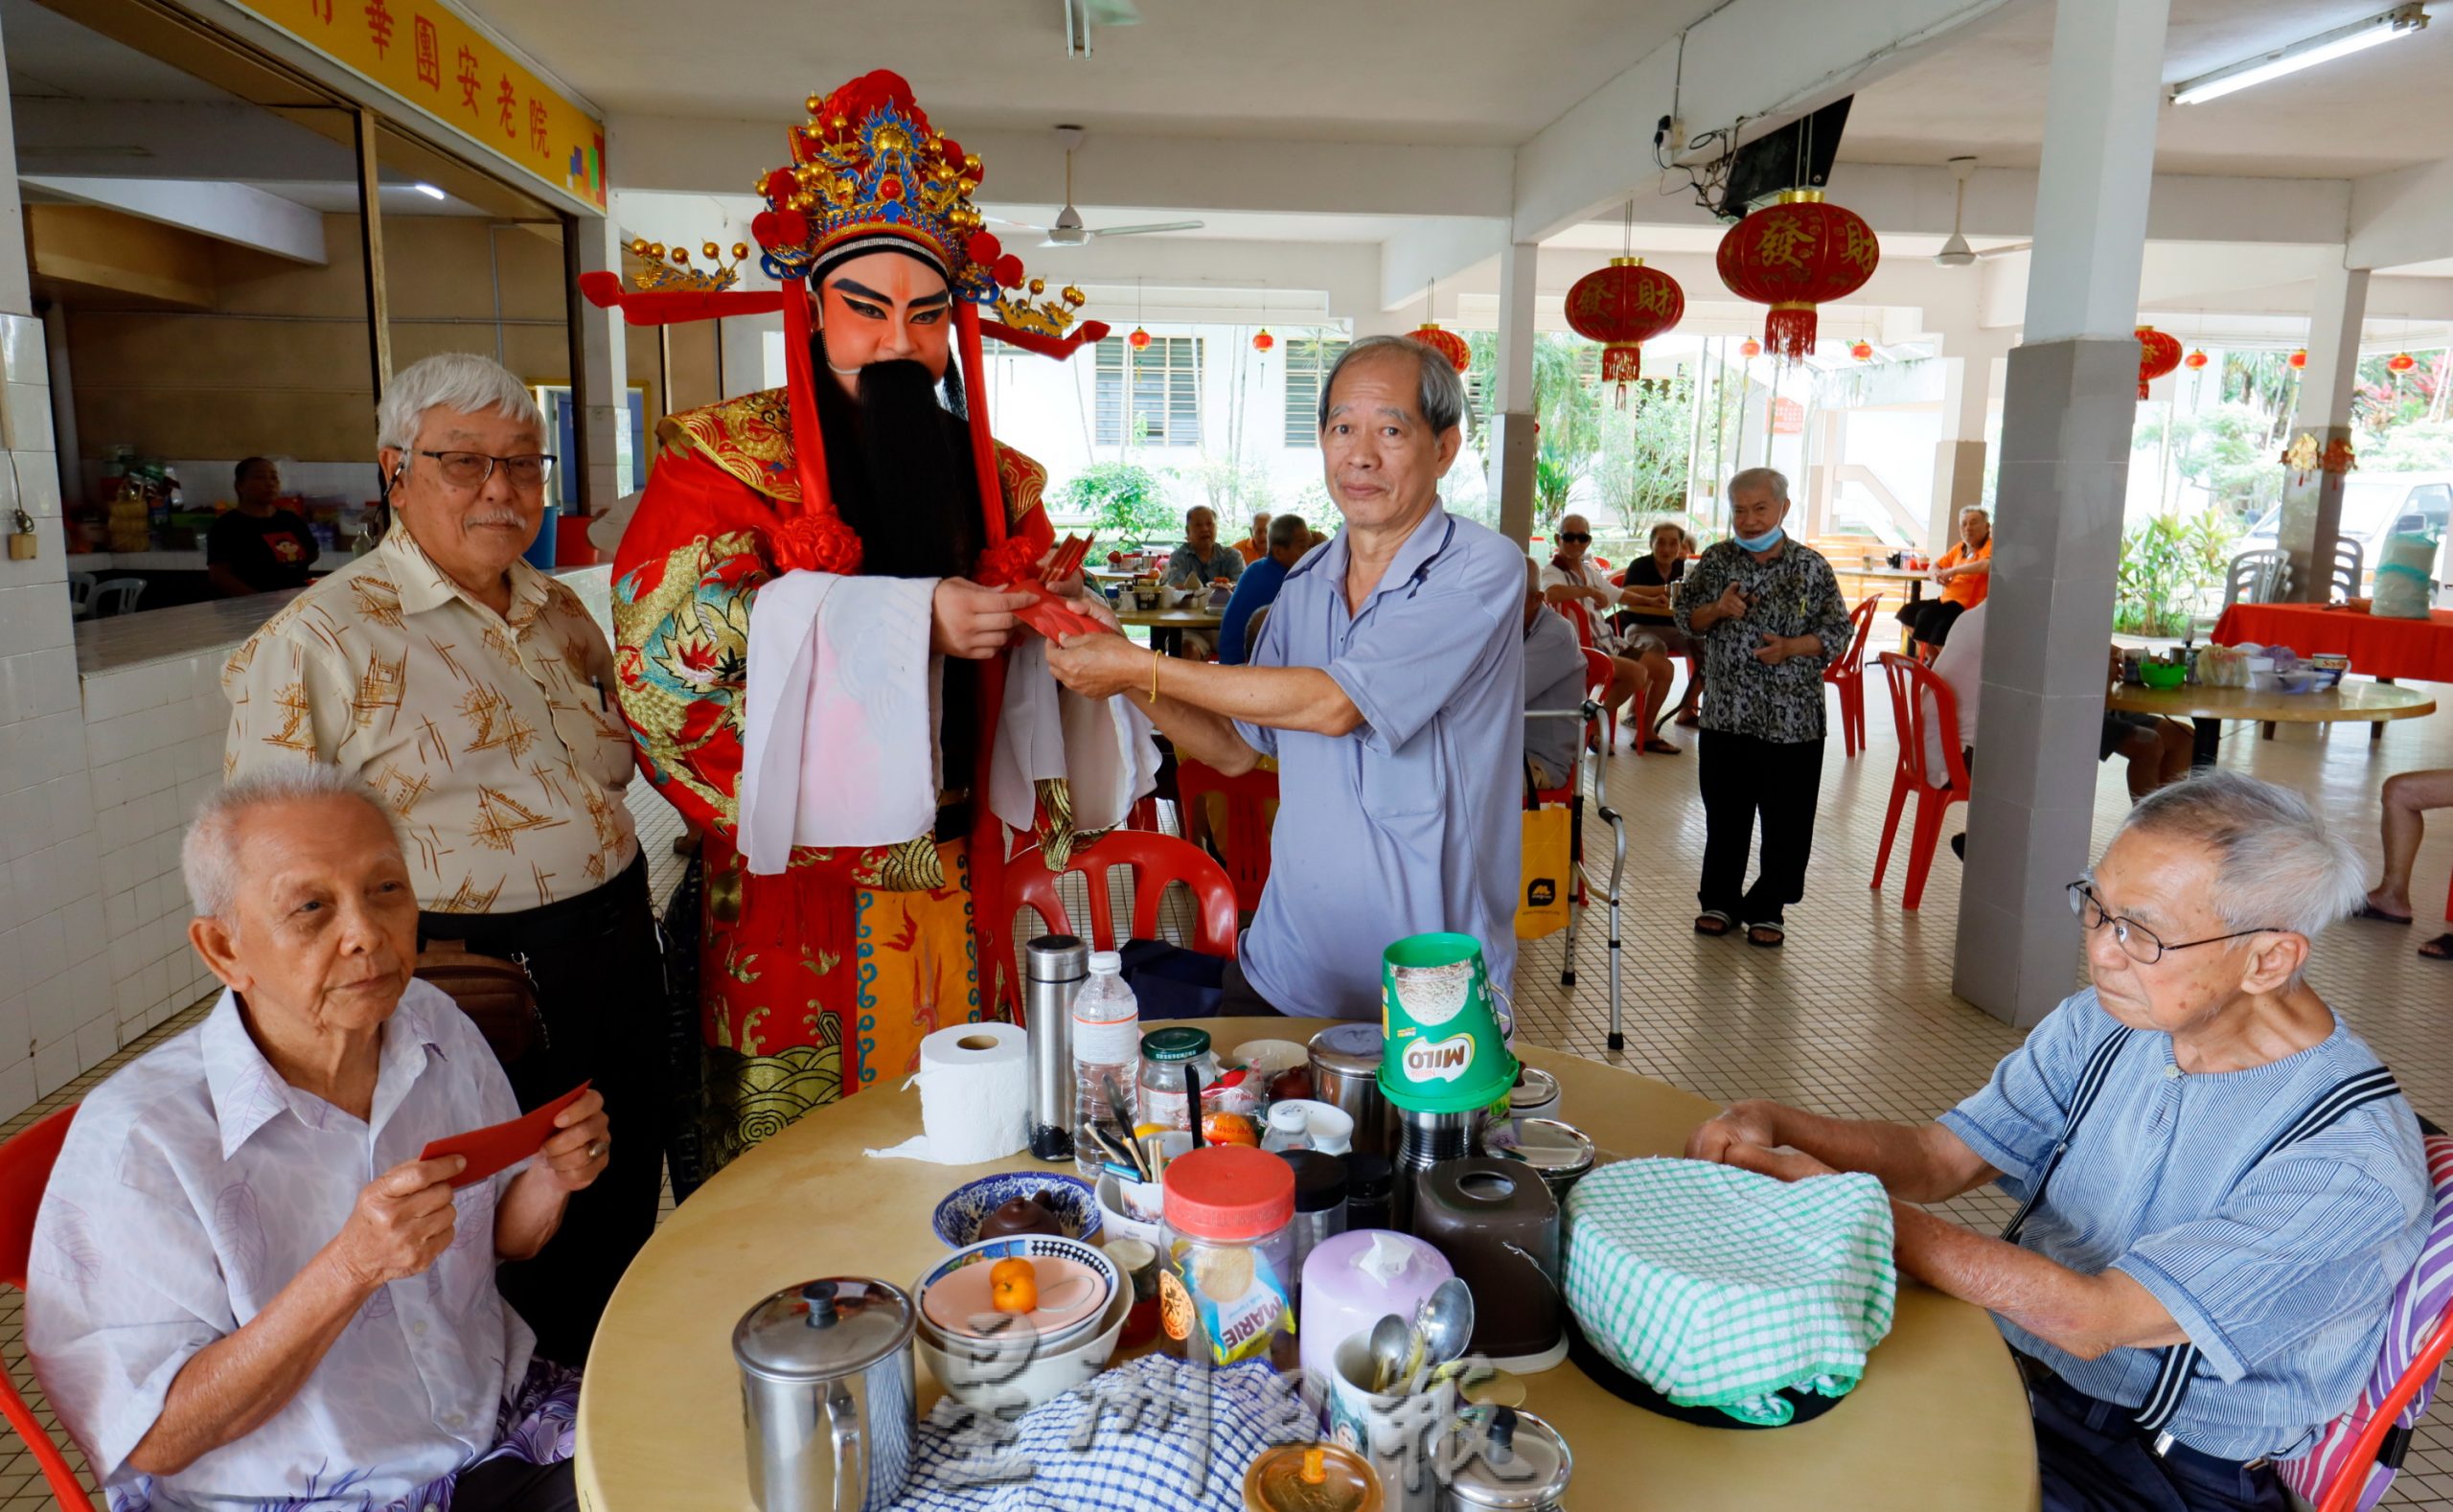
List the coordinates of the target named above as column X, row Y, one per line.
column 222, row 1307
column 2199, row 1283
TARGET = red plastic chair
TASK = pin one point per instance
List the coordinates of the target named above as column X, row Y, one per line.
column 1598, row 673
column 1157, row 860
column 1576, row 615
column 1246, row 842
column 1915, row 691
column 25, row 1170
column 1849, row 675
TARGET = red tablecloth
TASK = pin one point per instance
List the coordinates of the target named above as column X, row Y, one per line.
column 2412, row 650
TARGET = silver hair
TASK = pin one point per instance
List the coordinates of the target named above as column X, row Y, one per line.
column 1439, row 390
column 209, row 853
column 1977, row 509
column 1287, row 530
column 460, row 382
column 1772, row 479
column 2278, row 866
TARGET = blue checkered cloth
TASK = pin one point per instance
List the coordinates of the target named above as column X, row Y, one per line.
column 1155, row 1435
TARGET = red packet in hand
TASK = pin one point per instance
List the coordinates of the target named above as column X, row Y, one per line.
column 497, row 1146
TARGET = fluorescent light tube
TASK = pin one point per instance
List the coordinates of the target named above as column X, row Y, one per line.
column 2404, row 20
column 428, row 191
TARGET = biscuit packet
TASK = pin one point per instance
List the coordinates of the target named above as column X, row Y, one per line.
column 1225, row 1300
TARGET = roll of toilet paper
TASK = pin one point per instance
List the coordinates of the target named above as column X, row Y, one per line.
column 975, row 1083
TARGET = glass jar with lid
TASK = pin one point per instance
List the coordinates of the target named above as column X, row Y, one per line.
column 1167, row 1055
column 1228, row 1292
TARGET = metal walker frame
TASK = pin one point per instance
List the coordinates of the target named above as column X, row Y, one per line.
column 1588, row 776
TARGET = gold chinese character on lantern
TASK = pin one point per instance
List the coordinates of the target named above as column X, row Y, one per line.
column 1785, row 244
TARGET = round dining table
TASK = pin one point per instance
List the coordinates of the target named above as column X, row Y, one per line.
column 2206, row 708
column 1939, row 1421
column 1167, row 626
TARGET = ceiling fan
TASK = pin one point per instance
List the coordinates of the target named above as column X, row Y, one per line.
column 1069, row 231
column 1956, row 252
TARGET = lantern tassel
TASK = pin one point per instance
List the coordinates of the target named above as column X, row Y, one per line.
column 2142, row 388
column 1788, row 332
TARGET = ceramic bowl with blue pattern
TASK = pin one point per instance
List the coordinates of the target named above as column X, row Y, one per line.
column 1071, row 1197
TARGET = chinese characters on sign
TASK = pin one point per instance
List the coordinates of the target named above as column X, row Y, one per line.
column 497, row 100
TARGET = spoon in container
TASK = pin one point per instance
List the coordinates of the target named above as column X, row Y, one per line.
column 1443, row 1325
column 1392, row 1340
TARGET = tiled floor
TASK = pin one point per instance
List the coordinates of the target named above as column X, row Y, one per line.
column 1856, row 1017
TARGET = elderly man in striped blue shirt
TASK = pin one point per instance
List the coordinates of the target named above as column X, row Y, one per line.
column 2221, row 1186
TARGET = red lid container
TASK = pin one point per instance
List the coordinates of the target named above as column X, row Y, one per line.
column 1228, row 1192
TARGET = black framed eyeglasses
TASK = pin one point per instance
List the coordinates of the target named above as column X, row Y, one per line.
column 2138, row 942
column 1578, row 537
column 470, row 470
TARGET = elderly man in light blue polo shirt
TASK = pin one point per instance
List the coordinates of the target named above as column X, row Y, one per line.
column 1388, row 681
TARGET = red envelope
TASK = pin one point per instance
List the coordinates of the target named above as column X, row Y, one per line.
column 498, row 1147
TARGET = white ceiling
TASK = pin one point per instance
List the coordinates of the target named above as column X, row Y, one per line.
column 2367, row 113
column 52, row 58
column 1425, row 72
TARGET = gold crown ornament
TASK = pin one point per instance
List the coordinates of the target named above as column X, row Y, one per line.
column 673, row 272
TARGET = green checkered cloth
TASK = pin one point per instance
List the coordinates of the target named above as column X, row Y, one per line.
column 1719, row 1288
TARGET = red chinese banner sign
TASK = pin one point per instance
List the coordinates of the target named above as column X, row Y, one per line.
column 434, row 58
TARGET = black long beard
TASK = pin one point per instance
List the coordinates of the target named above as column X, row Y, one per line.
column 899, row 464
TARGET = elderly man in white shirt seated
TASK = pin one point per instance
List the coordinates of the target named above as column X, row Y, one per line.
column 223, row 1308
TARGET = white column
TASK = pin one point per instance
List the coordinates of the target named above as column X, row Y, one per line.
column 2312, row 502
column 1512, row 437
column 1958, row 456
column 2070, row 403
column 600, row 377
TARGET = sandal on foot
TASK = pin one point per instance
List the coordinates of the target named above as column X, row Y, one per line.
column 2368, row 910
column 1657, row 746
column 1756, row 932
column 1685, row 721
column 2440, row 949
column 1714, row 922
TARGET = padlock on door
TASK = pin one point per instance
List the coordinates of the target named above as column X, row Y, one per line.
column 21, row 540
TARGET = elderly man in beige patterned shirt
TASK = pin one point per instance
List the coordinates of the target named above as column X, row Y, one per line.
column 474, row 694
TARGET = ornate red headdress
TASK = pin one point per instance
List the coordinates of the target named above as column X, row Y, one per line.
column 868, row 173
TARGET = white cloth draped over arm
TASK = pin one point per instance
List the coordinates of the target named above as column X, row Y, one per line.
column 1101, row 746
column 840, row 720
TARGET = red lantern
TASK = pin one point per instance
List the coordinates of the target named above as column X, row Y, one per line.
column 2194, row 360
column 1794, row 255
column 1622, row 306
column 1263, row 340
column 2300, row 358
column 1750, row 347
column 1140, row 341
column 1446, row 343
column 1862, row 350
column 2401, row 362
column 2157, row 354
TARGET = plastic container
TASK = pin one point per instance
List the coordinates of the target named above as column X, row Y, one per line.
column 1309, row 1478
column 1227, row 1294
column 1165, row 1056
column 1290, row 1130
column 1371, row 1181
column 1352, row 1281
column 1107, row 1049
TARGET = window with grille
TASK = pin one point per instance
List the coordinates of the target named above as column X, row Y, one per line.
column 1308, row 360
column 1152, row 395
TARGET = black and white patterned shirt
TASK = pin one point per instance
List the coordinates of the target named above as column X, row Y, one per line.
column 1791, row 593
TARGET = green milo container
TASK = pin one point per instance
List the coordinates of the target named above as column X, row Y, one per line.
column 1444, row 1052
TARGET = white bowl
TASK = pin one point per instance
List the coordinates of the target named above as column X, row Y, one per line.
column 991, row 1380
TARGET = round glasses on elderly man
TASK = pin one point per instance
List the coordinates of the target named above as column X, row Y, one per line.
column 2134, row 939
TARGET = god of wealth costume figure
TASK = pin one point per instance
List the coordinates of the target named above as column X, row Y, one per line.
column 809, row 663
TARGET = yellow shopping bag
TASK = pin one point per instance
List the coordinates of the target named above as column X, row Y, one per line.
column 1549, row 879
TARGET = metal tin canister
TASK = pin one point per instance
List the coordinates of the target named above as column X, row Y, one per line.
column 1561, row 1152
column 1345, row 1073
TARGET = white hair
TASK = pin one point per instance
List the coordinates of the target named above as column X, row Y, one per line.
column 462, row 382
column 2276, row 864
column 208, row 855
column 1772, row 479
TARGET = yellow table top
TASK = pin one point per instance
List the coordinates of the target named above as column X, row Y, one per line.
column 1939, row 1422
column 2364, row 702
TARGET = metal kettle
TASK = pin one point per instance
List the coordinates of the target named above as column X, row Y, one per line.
column 827, row 1395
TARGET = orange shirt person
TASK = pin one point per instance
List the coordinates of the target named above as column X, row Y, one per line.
column 1964, row 574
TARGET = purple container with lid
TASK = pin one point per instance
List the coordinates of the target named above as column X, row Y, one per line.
column 1352, row 1280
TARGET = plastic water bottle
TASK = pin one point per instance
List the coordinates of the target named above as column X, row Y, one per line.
column 1107, row 1055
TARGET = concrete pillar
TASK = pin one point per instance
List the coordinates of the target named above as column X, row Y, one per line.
column 63, row 409
column 1512, row 430
column 2312, row 502
column 55, row 992
column 600, row 369
column 2070, row 403
column 1959, row 457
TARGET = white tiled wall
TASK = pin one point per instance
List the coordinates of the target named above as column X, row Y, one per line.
column 153, row 736
column 58, row 1013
